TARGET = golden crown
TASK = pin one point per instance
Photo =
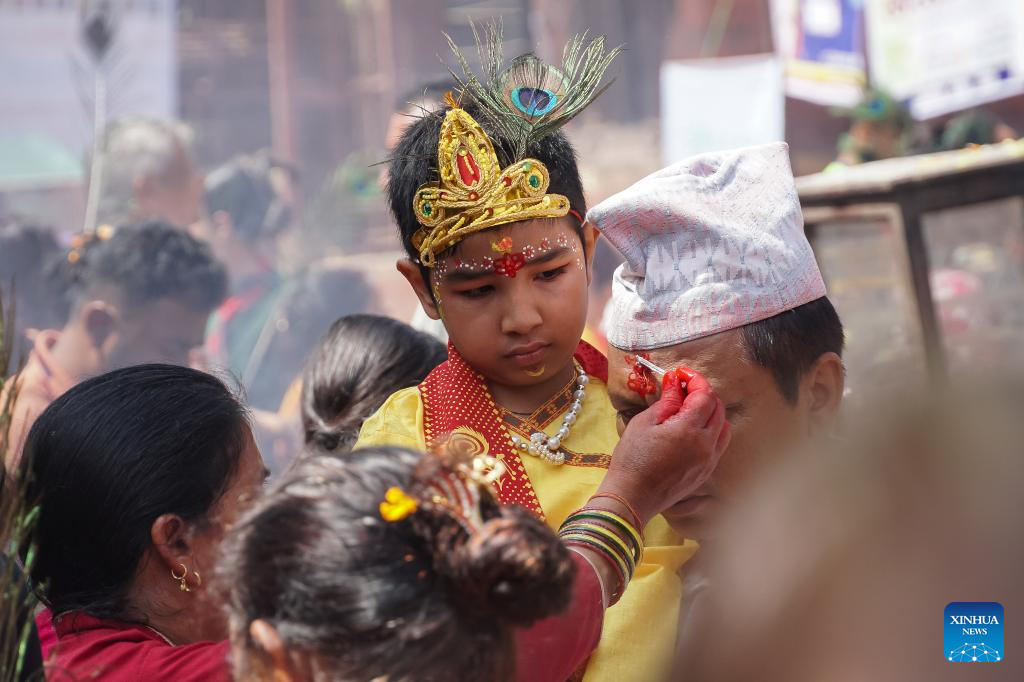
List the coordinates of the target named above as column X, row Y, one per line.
column 475, row 193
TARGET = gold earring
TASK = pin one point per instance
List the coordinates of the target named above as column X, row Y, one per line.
column 184, row 573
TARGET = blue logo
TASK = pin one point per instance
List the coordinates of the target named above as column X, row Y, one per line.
column 974, row 631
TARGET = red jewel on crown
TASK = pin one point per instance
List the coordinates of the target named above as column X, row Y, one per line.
column 469, row 172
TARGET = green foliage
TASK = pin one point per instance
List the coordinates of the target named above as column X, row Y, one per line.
column 17, row 522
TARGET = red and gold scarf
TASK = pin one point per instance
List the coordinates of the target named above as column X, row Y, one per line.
column 458, row 408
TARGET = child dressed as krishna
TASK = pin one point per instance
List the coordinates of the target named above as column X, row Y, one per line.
column 489, row 204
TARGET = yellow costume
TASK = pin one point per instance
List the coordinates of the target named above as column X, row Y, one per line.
column 475, row 192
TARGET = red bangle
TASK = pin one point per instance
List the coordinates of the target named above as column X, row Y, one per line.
column 622, row 500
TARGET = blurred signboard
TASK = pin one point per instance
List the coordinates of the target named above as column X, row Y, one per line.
column 713, row 104
column 821, row 43
column 946, row 55
column 46, row 74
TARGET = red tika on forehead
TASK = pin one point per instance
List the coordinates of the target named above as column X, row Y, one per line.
column 510, row 262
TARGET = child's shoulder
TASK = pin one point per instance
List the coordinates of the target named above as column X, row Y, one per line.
column 399, row 421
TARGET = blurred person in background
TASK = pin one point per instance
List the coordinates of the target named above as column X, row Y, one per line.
column 410, row 107
column 149, row 172
column 327, row 579
column 25, row 252
column 246, row 212
column 144, row 295
column 879, row 126
column 974, row 127
column 839, row 564
column 361, row 361
column 720, row 281
column 299, row 319
column 301, row 316
column 137, row 474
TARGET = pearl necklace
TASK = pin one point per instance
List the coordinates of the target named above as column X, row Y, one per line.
column 545, row 446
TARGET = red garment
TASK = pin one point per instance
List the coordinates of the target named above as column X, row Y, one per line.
column 457, row 400
column 555, row 648
column 47, row 633
column 92, row 649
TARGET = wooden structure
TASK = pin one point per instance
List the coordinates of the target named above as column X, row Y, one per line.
column 888, row 233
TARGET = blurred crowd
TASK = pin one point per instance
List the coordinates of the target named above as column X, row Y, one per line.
column 244, row 471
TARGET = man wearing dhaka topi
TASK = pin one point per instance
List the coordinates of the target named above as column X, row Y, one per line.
column 720, row 280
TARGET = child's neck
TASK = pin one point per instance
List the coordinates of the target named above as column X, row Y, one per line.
column 526, row 399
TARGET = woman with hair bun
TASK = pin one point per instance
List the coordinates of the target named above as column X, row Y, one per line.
column 361, row 361
column 388, row 565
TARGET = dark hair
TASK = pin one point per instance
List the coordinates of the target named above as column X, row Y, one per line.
column 243, row 189
column 789, row 343
column 414, row 162
column 151, row 261
column 107, row 458
column 360, row 362
column 428, row 597
column 25, row 251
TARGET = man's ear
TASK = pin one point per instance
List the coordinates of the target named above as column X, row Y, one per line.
column 269, row 641
column 101, row 324
column 822, row 387
column 590, row 237
column 414, row 277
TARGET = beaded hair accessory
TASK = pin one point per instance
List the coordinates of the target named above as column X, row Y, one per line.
column 451, row 484
column 524, row 102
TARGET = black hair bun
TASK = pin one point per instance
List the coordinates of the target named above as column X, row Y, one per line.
column 513, row 569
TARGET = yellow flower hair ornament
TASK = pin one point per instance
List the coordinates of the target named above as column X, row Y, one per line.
column 397, row 505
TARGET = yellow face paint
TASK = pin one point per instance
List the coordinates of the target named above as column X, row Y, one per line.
column 536, row 372
column 437, row 299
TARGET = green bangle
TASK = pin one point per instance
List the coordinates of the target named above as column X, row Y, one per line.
column 621, row 560
column 614, row 519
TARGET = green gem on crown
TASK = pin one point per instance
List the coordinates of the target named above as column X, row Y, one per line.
column 527, row 165
column 427, row 208
column 534, row 181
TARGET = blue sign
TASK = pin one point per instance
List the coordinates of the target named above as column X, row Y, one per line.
column 974, row 632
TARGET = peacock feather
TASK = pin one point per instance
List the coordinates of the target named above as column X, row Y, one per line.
column 528, row 99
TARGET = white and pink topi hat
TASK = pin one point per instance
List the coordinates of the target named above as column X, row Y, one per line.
column 711, row 244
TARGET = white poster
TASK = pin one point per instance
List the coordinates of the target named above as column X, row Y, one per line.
column 46, row 74
column 713, row 104
column 946, row 55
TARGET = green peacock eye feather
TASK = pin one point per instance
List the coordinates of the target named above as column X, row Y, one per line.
column 528, row 99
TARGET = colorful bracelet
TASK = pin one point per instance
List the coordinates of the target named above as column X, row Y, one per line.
column 608, row 534
column 625, row 503
column 611, row 520
column 620, row 563
column 620, row 543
